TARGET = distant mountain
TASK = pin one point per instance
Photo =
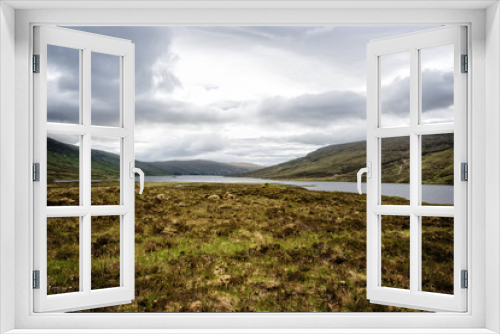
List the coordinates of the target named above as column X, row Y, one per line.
column 192, row 167
column 63, row 164
column 342, row 162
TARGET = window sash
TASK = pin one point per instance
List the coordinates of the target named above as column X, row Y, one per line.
column 414, row 297
column 85, row 298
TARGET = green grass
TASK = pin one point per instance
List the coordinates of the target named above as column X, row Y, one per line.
column 251, row 248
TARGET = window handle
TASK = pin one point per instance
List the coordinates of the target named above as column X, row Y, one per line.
column 139, row 171
column 368, row 171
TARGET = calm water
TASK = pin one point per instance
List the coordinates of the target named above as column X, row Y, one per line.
column 430, row 193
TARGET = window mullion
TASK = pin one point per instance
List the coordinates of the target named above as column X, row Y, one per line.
column 414, row 172
column 85, row 167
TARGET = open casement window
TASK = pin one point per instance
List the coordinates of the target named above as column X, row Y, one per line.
column 416, row 68
column 79, row 276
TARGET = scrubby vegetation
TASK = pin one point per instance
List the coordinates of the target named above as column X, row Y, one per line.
column 244, row 248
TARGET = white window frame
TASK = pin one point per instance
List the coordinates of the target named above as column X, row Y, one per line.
column 484, row 211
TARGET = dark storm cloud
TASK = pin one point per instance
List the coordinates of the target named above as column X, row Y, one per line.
column 437, row 93
column 314, row 109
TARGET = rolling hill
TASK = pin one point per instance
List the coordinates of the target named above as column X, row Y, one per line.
column 342, row 162
column 63, row 164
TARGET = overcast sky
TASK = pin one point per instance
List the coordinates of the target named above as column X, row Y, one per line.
column 247, row 94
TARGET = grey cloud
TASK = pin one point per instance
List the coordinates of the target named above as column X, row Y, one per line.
column 63, row 90
column 105, row 113
column 260, row 34
column 313, row 138
column 105, row 89
column 345, row 47
column 63, row 110
column 167, row 81
column 176, row 112
column 315, row 109
column 67, row 62
column 342, row 134
column 151, row 43
column 66, row 139
column 437, row 93
column 69, row 83
column 395, row 97
column 187, row 146
column 437, row 90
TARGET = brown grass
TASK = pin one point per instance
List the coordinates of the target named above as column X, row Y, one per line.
column 251, row 248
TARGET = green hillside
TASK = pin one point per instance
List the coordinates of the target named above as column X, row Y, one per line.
column 342, row 162
column 63, row 164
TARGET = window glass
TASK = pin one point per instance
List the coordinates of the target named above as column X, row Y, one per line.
column 395, row 90
column 63, row 170
column 438, row 169
column 437, row 66
column 105, row 169
column 437, row 254
column 395, row 252
column 105, row 252
column 63, row 255
column 106, row 86
column 395, row 170
column 63, row 85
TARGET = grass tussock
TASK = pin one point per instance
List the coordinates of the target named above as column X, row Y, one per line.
column 243, row 248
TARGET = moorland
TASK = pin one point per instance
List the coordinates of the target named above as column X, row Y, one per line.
column 244, row 248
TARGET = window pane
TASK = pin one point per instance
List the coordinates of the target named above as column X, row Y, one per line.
column 63, row 254
column 106, row 171
column 63, row 170
column 437, row 66
column 395, row 89
column 105, row 252
column 437, row 254
column 395, row 171
column 437, row 169
column 63, row 85
column 105, row 90
column 395, row 252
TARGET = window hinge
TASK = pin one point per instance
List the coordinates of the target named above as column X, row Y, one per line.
column 465, row 279
column 36, row 279
column 464, row 171
column 36, row 63
column 465, row 64
column 36, row 172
